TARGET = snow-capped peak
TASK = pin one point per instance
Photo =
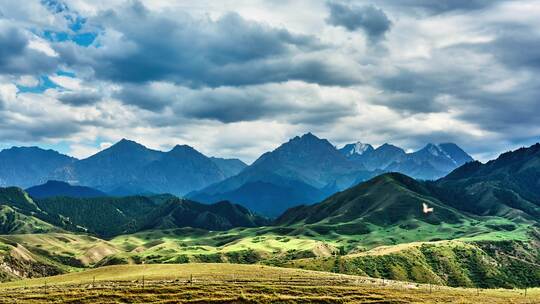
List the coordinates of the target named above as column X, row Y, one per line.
column 359, row 148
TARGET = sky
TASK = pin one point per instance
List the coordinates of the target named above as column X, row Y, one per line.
column 235, row 78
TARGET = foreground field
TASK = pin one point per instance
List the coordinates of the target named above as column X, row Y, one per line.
column 230, row 283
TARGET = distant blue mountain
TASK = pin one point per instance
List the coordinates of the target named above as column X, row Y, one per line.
column 58, row 188
column 304, row 170
column 429, row 163
column 128, row 168
column 29, row 166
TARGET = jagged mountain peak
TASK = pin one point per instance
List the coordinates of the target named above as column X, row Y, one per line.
column 357, row 148
column 307, row 138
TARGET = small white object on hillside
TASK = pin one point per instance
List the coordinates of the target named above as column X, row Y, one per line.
column 426, row 208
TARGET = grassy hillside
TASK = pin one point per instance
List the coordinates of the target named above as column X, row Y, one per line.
column 107, row 217
column 386, row 200
column 484, row 264
column 14, row 222
column 222, row 283
column 268, row 245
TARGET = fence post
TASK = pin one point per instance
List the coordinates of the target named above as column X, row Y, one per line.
column 143, row 281
column 191, row 279
column 93, row 282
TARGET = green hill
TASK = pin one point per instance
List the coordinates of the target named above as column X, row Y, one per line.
column 14, row 222
column 485, row 264
column 111, row 216
column 386, row 200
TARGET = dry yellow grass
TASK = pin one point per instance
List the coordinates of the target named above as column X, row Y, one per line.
column 230, row 283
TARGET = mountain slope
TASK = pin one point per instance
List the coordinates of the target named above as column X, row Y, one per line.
column 229, row 167
column 179, row 171
column 57, row 188
column 508, row 186
column 15, row 222
column 111, row 216
column 388, row 199
column 116, row 166
column 106, row 216
column 220, row 216
column 28, row 166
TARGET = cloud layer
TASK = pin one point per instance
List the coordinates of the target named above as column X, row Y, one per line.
column 237, row 78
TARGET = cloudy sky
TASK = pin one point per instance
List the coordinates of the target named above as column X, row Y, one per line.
column 235, row 78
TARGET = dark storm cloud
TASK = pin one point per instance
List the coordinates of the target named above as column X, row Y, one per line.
column 372, row 20
column 516, row 46
column 145, row 97
column 417, row 92
column 17, row 58
column 229, row 51
column 435, row 92
column 37, row 129
column 79, row 98
column 231, row 104
column 442, row 6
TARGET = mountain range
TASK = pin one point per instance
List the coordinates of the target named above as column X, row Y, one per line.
column 307, row 169
column 304, row 170
column 429, row 163
column 506, row 188
column 57, row 188
column 126, row 168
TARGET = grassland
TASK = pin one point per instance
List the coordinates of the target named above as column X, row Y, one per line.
column 231, row 283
